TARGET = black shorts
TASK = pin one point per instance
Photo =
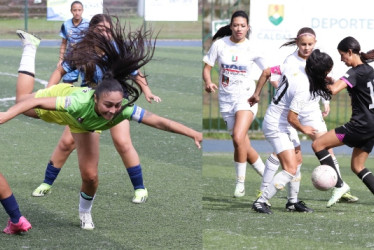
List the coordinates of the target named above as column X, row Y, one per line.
column 355, row 138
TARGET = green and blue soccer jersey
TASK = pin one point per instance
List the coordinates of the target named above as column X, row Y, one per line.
column 75, row 107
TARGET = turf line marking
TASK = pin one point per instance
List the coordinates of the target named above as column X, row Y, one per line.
column 6, row 99
column 41, row 81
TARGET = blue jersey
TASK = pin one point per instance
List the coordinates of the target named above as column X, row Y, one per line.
column 72, row 33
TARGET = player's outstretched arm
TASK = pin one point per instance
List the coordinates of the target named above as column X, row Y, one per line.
column 25, row 107
column 172, row 126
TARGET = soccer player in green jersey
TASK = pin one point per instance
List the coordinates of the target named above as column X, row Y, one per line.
column 87, row 111
column 91, row 74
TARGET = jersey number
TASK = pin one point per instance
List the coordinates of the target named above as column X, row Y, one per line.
column 370, row 86
column 281, row 90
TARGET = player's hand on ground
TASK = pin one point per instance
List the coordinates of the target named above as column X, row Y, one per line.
column 210, row 87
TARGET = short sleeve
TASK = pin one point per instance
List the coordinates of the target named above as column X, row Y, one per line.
column 349, row 78
column 211, row 57
column 63, row 31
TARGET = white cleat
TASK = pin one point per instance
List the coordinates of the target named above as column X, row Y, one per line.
column 86, row 221
column 239, row 190
column 337, row 193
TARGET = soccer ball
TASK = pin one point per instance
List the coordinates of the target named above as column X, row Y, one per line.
column 324, row 177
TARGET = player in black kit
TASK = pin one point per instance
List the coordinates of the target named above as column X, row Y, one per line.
column 358, row 133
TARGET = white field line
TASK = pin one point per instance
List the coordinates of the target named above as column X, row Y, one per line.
column 6, row 99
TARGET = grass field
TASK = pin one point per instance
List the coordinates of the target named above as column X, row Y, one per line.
column 172, row 216
column 229, row 223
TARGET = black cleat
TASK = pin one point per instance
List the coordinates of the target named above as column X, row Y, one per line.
column 261, row 207
column 298, row 207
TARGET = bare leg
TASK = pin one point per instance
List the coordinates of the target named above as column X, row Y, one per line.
column 122, row 141
column 88, row 157
column 243, row 150
column 87, row 145
column 358, row 160
column 17, row 223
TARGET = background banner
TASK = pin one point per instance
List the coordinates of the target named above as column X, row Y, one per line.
column 171, row 10
column 59, row 10
column 274, row 22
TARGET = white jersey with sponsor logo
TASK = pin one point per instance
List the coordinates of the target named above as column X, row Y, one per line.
column 235, row 61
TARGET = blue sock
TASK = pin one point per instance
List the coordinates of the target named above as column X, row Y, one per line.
column 51, row 173
column 11, row 208
column 136, row 176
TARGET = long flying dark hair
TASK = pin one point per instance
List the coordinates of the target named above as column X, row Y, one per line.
column 318, row 65
column 116, row 51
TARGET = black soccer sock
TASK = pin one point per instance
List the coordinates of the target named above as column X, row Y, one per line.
column 26, row 73
column 325, row 158
column 367, row 178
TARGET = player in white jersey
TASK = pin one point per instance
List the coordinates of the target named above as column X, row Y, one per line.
column 292, row 97
column 235, row 56
column 311, row 116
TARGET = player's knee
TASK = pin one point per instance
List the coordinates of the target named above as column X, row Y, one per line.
column 238, row 140
column 316, row 146
column 123, row 146
column 90, row 178
column 66, row 145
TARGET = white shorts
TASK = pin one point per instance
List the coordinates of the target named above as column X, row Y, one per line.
column 229, row 117
column 315, row 120
column 280, row 140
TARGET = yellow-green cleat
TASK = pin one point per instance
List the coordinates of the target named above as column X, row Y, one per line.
column 42, row 190
column 28, row 39
column 347, row 197
column 258, row 195
column 141, row 195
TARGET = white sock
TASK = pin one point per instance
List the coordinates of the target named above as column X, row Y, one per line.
column 240, row 168
column 259, row 166
column 279, row 182
column 271, row 167
column 85, row 205
column 28, row 59
column 294, row 186
column 336, row 163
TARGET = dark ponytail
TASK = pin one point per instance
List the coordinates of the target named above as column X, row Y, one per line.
column 318, row 65
column 226, row 30
column 119, row 53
